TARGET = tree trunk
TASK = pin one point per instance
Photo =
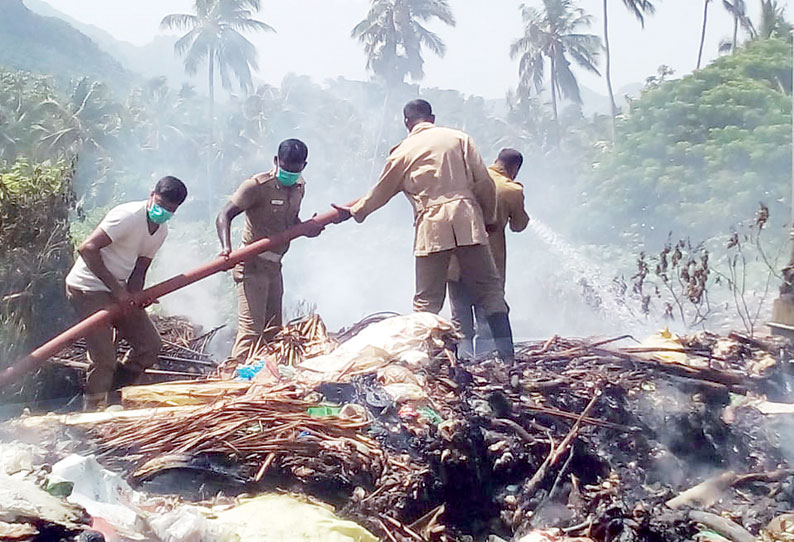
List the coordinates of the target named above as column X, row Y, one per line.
column 703, row 31
column 383, row 116
column 554, row 103
column 735, row 32
column 607, row 72
column 211, row 141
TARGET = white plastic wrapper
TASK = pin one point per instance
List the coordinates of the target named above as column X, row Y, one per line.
column 406, row 338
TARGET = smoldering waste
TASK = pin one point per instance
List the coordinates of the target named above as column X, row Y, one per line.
column 676, row 438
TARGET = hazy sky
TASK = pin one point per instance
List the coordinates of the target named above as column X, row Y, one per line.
column 313, row 38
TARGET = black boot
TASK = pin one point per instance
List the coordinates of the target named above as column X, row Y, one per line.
column 464, row 349
column 502, row 336
column 124, row 377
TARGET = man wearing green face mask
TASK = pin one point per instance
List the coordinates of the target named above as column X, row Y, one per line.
column 112, row 266
column 271, row 202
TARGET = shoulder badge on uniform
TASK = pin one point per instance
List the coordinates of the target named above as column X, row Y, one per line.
column 262, row 178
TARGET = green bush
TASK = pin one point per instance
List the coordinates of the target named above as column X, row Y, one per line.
column 35, row 252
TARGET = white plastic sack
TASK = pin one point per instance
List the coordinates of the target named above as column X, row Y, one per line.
column 102, row 493
column 401, row 338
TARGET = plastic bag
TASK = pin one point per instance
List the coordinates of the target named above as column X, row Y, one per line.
column 404, row 338
column 102, row 493
column 282, row 518
column 184, row 524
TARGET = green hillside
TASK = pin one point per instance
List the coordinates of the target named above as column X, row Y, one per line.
column 52, row 47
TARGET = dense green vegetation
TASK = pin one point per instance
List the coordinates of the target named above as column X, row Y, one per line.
column 35, row 251
column 697, row 154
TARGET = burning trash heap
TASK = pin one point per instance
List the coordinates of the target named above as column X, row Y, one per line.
column 379, row 432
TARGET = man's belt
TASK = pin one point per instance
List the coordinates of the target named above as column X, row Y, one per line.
column 270, row 256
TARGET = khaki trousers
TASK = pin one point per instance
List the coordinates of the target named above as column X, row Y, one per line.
column 477, row 272
column 135, row 327
column 260, row 289
column 477, row 339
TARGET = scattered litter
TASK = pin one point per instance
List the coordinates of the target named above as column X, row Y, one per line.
column 24, row 502
column 323, row 411
column 102, row 493
column 681, row 438
column 248, row 372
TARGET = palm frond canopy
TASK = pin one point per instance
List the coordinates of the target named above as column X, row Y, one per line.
column 394, row 37
column 553, row 34
column 215, row 30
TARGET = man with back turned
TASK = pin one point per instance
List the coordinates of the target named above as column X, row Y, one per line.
column 443, row 176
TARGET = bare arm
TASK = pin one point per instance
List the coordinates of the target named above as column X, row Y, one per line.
column 138, row 276
column 223, row 225
column 90, row 252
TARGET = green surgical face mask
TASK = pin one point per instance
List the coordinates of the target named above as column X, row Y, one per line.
column 287, row 178
column 158, row 215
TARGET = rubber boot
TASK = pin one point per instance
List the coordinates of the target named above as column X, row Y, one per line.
column 502, row 336
column 465, row 349
column 93, row 402
column 483, row 346
column 124, row 377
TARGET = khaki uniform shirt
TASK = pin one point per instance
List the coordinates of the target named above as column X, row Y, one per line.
column 443, row 176
column 509, row 210
column 269, row 206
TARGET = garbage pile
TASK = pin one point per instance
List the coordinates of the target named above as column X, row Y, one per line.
column 184, row 354
column 671, row 439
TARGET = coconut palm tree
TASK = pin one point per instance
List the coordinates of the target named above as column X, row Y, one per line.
column 639, row 8
column 773, row 21
column 738, row 9
column 394, row 36
column 554, row 34
column 215, row 34
column 88, row 122
column 87, row 127
column 703, row 31
column 21, row 116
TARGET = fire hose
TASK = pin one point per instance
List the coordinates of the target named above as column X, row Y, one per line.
column 146, row 297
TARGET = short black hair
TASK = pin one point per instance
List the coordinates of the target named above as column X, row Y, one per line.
column 418, row 110
column 510, row 158
column 293, row 151
column 171, row 189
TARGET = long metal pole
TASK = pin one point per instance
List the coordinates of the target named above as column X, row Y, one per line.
column 148, row 296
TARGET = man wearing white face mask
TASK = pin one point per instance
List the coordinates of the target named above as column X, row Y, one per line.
column 271, row 202
column 112, row 266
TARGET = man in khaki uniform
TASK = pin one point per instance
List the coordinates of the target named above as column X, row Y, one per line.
column 271, row 202
column 112, row 267
column 509, row 210
column 447, row 183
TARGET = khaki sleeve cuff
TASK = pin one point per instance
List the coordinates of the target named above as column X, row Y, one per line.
column 358, row 212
